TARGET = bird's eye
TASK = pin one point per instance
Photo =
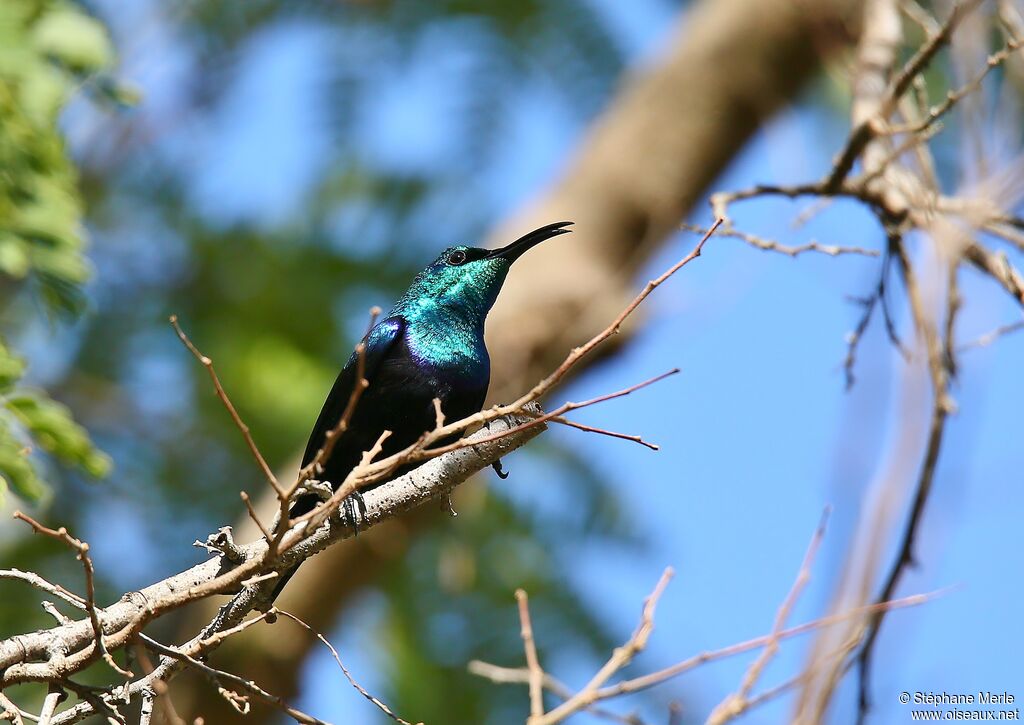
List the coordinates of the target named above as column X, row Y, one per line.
column 456, row 258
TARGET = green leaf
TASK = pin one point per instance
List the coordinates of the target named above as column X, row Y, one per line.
column 14, row 259
column 52, row 427
column 45, row 47
column 12, row 368
column 16, row 472
column 75, row 39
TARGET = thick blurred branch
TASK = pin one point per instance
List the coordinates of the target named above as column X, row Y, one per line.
column 670, row 131
column 672, row 128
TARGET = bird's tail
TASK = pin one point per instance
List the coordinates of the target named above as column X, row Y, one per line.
column 283, row 579
column 303, row 505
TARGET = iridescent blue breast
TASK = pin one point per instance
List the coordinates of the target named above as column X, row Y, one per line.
column 454, row 350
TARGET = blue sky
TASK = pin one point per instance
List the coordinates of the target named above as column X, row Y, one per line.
column 758, row 433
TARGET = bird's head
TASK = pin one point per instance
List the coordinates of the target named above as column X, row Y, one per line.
column 466, row 280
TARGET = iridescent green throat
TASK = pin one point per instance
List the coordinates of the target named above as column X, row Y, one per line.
column 445, row 308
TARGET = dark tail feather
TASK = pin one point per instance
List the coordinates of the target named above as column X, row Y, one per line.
column 283, row 578
column 303, row 505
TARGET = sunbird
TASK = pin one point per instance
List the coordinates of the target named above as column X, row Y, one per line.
column 430, row 345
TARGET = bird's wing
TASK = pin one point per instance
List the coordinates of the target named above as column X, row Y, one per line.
column 379, row 341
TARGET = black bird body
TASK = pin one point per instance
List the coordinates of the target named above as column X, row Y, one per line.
column 400, row 399
column 430, row 345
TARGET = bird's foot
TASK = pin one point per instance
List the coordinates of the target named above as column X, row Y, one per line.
column 353, row 508
column 502, row 473
column 446, row 505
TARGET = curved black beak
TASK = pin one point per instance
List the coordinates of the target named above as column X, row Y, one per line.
column 515, row 250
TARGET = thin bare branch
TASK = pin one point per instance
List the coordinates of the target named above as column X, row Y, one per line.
column 868, row 127
column 770, row 245
column 735, row 704
column 348, row 676
column 655, row 678
column 658, row 677
column 536, row 679
column 939, row 368
column 955, row 96
column 570, row 406
column 603, row 431
column 229, row 406
column 81, row 550
column 621, row 657
column 989, row 337
column 315, row 467
column 254, row 516
column 999, row 268
column 12, row 712
column 521, row 676
column 240, row 702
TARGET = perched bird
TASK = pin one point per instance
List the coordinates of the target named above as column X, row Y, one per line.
column 430, row 345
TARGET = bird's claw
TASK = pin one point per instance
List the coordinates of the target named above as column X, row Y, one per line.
column 353, row 507
column 502, row 473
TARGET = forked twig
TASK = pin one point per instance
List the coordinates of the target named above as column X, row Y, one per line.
column 81, row 550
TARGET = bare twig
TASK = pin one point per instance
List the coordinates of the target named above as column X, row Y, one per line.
column 939, row 367
column 989, row 337
column 955, row 96
column 997, row 266
column 536, row 679
column 14, row 713
column 40, row 583
column 621, row 657
column 229, row 406
column 878, row 297
column 315, row 467
column 158, row 690
column 872, row 121
column 82, row 554
column 254, row 516
column 240, row 702
column 739, row 702
column 603, row 431
column 769, row 245
column 580, row 352
column 643, row 682
column 348, row 676
column 521, row 676
column 570, row 406
column 655, row 678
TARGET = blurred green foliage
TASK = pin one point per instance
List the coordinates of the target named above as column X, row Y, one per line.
column 46, row 48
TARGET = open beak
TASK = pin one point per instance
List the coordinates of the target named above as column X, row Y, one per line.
column 515, row 250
